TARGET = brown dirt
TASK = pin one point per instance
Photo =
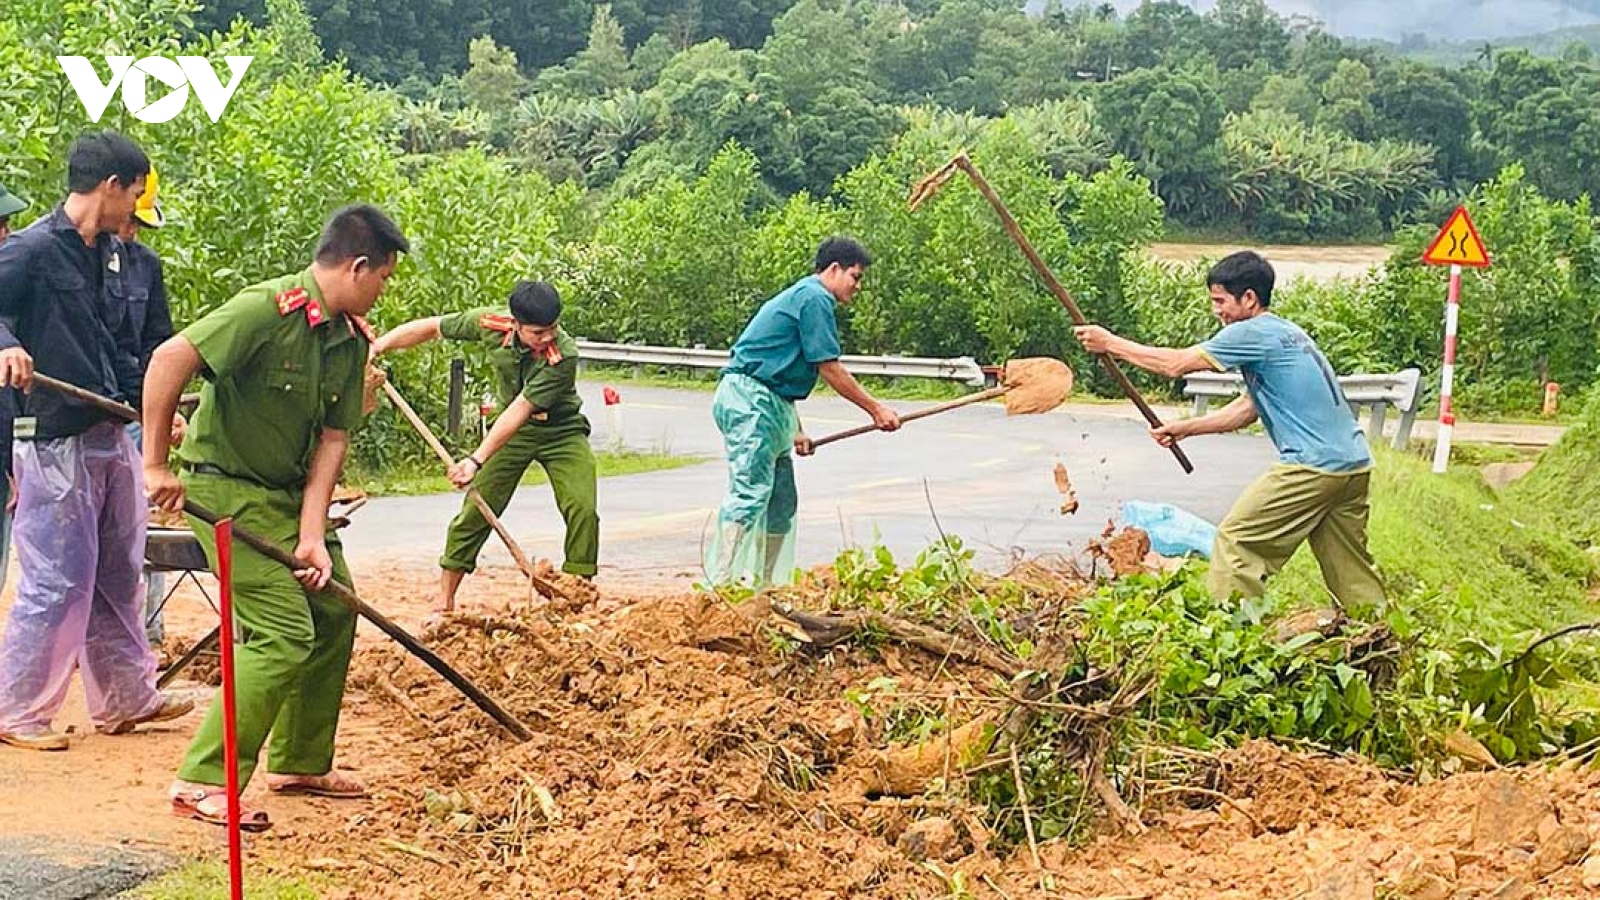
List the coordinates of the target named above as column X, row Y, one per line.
column 1125, row 551
column 675, row 756
column 1037, row 385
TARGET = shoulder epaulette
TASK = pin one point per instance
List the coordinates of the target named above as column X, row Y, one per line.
column 504, row 325
column 292, row 299
column 299, row 298
column 493, row 322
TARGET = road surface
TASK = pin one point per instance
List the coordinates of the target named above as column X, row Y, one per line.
column 986, row 477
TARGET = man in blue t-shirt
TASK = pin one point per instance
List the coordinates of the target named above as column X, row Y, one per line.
column 792, row 340
column 1318, row 490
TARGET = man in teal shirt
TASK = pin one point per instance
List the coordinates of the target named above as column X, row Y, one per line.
column 1318, row 490
column 793, row 339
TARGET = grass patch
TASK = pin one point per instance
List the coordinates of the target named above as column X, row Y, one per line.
column 1563, row 486
column 1459, row 558
column 208, row 880
column 411, row 481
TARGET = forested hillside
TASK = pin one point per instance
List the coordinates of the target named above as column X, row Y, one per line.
column 1244, row 121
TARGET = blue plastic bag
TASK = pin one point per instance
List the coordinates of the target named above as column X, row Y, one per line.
column 1173, row 531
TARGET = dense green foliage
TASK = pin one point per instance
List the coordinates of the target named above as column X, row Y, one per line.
column 668, row 186
column 1243, row 120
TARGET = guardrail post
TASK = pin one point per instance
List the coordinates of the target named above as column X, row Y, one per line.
column 458, row 383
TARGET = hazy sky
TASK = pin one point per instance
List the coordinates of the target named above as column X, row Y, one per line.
column 1454, row 19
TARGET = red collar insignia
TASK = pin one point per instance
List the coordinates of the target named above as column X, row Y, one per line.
column 359, row 325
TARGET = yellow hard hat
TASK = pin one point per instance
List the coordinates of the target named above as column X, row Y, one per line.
column 148, row 209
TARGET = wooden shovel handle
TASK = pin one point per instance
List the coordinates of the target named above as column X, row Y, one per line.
column 1009, row 222
column 968, row 400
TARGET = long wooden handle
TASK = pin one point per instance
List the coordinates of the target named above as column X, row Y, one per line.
column 345, row 595
column 968, row 400
column 1049, row 279
column 488, row 514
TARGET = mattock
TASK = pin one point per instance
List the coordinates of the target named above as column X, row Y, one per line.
column 930, row 184
column 535, row 582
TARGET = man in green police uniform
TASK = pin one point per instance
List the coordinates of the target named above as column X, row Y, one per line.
column 283, row 363
column 536, row 370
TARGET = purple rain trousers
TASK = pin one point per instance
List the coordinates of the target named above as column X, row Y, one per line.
column 79, row 535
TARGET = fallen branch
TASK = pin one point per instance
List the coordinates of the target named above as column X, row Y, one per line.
column 1218, row 796
column 1094, row 772
column 393, row 692
column 829, row 630
column 412, row 850
column 1027, row 817
column 491, row 624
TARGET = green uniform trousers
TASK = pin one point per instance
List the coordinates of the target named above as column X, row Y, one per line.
column 290, row 666
column 1285, row 507
column 563, row 450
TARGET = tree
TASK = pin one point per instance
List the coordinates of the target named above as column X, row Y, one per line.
column 493, row 83
column 1239, row 32
column 1345, row 95
column 1415, row 103
column 600, row 68
column 1554, row 135
column 807, row 56
column 1158, row 31
column 1290, row 94
column 1168, row 122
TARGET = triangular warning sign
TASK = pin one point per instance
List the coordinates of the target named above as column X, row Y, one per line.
column 1458, row 243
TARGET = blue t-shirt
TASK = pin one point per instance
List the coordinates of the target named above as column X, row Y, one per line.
column 1294, row 391
column 789, row 337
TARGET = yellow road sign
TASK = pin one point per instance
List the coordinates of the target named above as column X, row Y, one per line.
column 1458, row 243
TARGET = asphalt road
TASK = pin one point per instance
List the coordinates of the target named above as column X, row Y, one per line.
column 974, row 472
column 29, row 870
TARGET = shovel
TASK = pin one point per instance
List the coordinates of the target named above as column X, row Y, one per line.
column 1033, row 385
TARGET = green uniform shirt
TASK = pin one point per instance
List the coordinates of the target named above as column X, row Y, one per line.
column 278, row 369
column 549, row 381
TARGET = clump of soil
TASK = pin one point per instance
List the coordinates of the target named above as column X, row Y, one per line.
column 1036, row 385
column 1124, row 551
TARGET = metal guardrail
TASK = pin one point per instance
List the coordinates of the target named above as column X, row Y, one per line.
column 1402, row 390
column 962, row 368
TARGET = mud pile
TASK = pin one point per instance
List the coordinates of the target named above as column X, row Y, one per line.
column 676, row 755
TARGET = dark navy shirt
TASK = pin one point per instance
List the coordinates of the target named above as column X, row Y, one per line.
column 149, row 317
column 66, row 303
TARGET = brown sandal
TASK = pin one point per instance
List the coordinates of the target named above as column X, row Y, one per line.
column 331, row 784
column 210, row 805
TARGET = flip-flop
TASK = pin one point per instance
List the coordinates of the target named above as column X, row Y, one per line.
column 336, row 787
column 211, row 807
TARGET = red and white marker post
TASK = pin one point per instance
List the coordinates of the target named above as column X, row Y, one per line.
column 230, row 727
column 1457, row 245
column 1447, row 375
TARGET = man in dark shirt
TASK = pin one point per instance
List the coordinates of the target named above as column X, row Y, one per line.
column 80, row 518
column 150, row 323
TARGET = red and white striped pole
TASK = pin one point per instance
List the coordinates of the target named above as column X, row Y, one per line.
column 1447, row 376
column 230, row 726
